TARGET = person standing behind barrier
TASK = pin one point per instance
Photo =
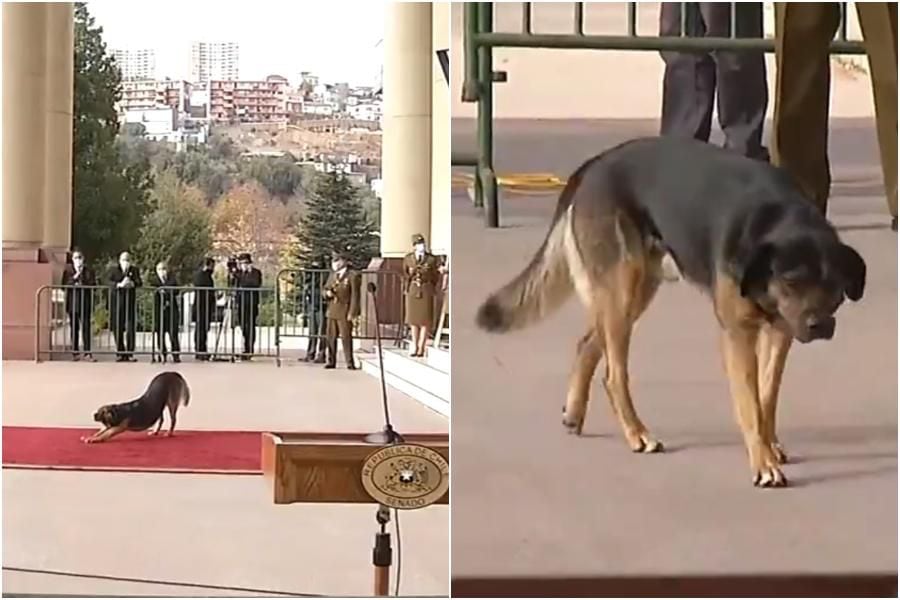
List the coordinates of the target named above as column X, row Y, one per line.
column 314, row 309
column 693, row 80
column 421, row 274
column 166, row 312
column 341, row 291
column 249, row 279
column 204, row 307
column 80, row 303
column 803, row 32
column 125, row 279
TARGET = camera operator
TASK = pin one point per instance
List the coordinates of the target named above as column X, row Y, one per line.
column 248, row 280
column 204, row 306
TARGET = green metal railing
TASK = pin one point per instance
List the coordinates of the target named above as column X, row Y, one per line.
column 481, row 39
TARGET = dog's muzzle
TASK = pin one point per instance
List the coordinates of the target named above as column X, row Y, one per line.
column 818, row 329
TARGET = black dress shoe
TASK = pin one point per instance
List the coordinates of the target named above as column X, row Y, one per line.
column 176, row 359
column 330, row 366
column 352, row 367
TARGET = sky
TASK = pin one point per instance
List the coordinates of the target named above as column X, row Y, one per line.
column 338, row 41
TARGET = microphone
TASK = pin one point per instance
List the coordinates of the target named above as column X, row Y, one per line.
column 387, row 435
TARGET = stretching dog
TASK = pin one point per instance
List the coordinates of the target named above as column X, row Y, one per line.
column 166, row 390
column 737, row 228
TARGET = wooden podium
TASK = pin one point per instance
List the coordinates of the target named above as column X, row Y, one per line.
column 331, row 467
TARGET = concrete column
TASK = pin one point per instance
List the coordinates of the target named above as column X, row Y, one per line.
column 406, row 141
column 440, row 133
column 60, row 90
column 24, row 123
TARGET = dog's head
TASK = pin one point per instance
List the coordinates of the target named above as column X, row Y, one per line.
column 108, row 415
column 804, row 279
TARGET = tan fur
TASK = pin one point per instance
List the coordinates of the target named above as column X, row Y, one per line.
column 741, row 325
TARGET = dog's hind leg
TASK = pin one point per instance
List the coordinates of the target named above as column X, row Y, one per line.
column 589, row 353
column 772, row 348
column 626, row 293
column 159, row 425
column 173, row 411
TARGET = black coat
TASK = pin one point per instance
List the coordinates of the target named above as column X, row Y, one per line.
column 82, row 299
column 126, row 298
column 204, row 300
column 165, row 301
column 248, row 299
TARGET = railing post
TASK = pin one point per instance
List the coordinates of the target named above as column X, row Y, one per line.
column 485, row 117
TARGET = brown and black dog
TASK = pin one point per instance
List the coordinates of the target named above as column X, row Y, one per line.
column 739, row 229
column 166, row 390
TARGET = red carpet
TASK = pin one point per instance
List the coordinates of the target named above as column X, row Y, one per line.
column 62, row 448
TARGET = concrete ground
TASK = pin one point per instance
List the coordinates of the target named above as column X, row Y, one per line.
column 530, row 500
column 166, row 534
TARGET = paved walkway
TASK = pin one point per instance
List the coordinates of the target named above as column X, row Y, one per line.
column 530, row 500
column 161, row 530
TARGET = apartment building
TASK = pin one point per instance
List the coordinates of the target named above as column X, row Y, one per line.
column 136, row 63
column 214, row 60
column 249, row 101
column 150, row 94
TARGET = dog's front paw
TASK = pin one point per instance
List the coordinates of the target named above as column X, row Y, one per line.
column 91, row 440
column 644, row 443
column 574, row 423
column 169, row 434
column 766, row 472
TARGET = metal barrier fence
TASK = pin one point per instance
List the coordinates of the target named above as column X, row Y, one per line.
column 165, row 323
column 301, row 306
column 480, row 76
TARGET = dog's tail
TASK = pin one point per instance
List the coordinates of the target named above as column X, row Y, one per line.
column 547, row 281
column 185, row 393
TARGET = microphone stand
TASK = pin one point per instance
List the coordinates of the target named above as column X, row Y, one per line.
column 382, row 552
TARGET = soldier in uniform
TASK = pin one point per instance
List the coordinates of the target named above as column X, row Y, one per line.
column 342, row 293
column 803, row 31
column 421, row 274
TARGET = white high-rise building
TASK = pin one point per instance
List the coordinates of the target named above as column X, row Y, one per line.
column 214, row 60
column 136, row 63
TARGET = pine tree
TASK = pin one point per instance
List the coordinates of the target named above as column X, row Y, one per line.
column 335, row 220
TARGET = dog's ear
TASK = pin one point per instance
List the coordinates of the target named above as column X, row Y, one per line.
column 852, row 268
column 755, row 270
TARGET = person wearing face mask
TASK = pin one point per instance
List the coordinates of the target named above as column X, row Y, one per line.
column 124, row 278
column 204, row 307
column 166, row 312
column 249, row 280
column 421, row 275
column 341, row 292
column 79, row 303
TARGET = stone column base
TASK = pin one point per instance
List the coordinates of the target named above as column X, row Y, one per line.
column 24, row 273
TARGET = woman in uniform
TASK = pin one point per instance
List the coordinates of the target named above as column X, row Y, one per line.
column 421, row 271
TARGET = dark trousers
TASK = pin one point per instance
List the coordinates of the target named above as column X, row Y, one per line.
column 124, row 325
column 201, row 331
column 80, row 323
column 248, row 329
column 316, row 329
column 692, row 79
column 168, row 323
column 333, row 328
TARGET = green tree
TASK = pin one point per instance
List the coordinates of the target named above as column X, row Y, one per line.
column 335, row 220
column 280, row 176
column 178, row 230
column 109, row 193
